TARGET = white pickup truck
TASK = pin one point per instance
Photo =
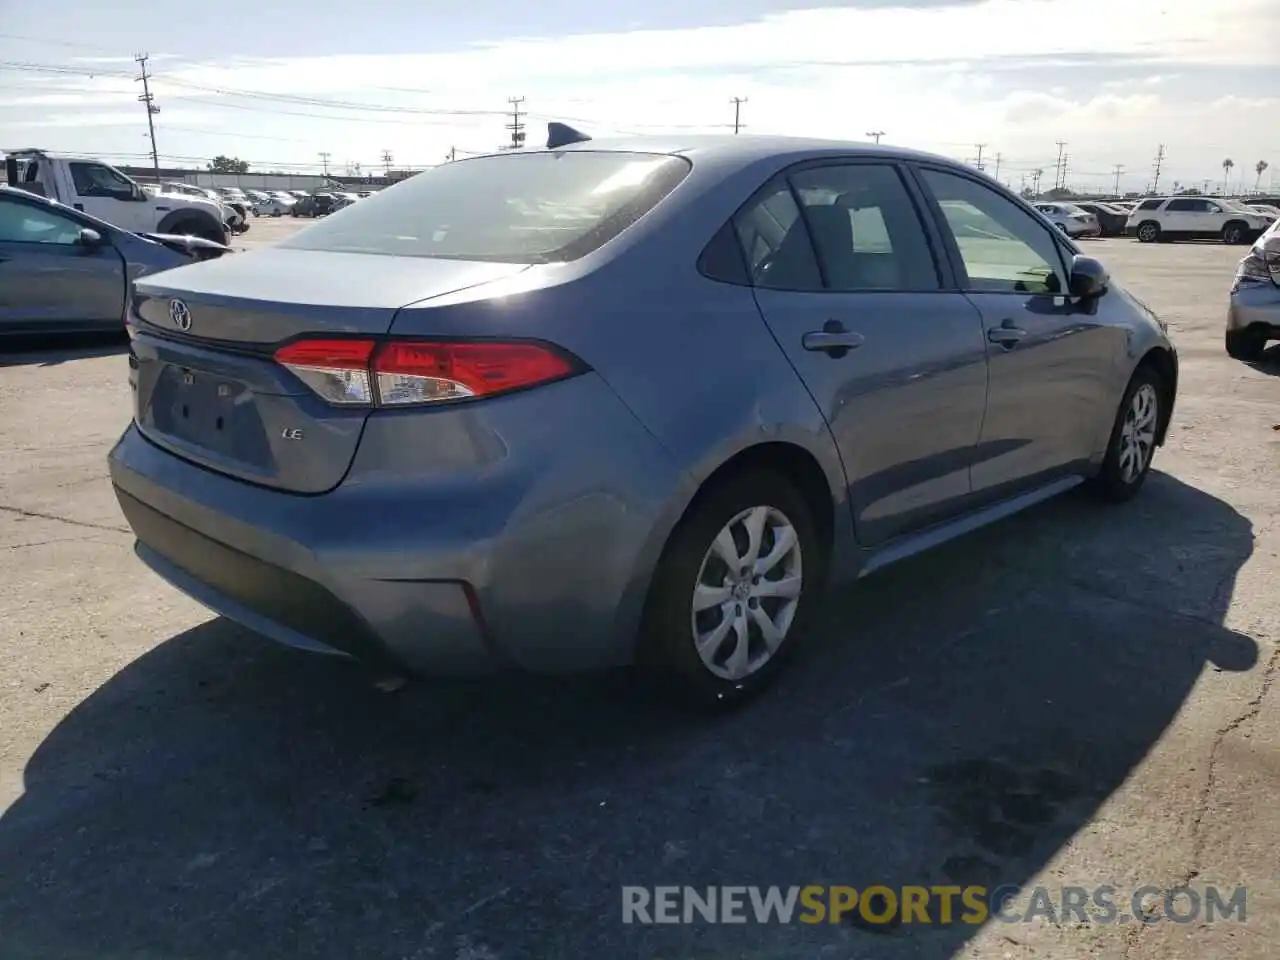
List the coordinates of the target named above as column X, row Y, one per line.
column 103, row 191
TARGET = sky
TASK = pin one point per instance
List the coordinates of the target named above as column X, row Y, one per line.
column 279, row 84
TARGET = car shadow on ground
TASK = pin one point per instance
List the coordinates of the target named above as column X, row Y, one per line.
column 956, row 718
column 47, row 351
column 1269, row 362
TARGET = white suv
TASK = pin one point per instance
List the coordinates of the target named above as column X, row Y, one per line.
column 1195, row 218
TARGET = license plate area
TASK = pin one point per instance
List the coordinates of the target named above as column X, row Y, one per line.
column 211, row 412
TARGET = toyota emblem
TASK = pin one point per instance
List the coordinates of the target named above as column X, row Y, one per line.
column 180, row 314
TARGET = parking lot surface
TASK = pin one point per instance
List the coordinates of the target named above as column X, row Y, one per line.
column 1080, row 695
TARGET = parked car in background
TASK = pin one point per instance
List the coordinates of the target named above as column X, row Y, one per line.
column 1111, row 219
column 313, row 205
column 425, row 457
column 1265, row 209
column 276, row 205
column 103, row 191
column 1070, row 219
column 1194, row 218
column 1253, row 313
column 63, row 271
column 344, row 199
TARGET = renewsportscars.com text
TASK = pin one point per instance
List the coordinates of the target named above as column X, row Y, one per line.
column 938, row 905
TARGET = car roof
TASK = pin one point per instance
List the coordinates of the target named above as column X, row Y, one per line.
column 742, row 148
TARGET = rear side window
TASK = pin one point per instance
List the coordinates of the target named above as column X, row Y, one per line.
column 775, row 241
column 1150, row 204
column 516, row 208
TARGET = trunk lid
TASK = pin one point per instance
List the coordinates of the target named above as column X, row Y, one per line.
column 206, row 386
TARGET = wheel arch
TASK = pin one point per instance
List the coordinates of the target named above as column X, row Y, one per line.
column 792, row 461
column 1162, row 361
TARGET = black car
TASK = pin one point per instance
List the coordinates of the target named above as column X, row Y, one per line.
column 64, row 271
column 1111, row 219
column 313, row 205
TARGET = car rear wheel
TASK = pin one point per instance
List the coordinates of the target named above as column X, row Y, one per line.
column 1132, row 446
column 733, row 591
column 1149, row 232
column 1245, row 345
column 1233, row 233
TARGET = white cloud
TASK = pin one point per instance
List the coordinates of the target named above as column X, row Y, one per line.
column 939, row 79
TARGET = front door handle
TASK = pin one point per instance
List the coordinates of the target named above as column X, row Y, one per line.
column 1007, row 334
column 833, row 339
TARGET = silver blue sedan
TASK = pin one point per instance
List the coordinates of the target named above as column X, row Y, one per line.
column 633, row 402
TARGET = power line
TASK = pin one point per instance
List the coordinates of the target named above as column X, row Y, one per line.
column 152, row 109
column 516, row 126
column 737, row 113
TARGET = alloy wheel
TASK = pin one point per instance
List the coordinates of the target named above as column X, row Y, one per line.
column 1138, row 433
column 746, row 593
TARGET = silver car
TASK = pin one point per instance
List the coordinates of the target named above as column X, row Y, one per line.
column 623, row 402
column 1253, row 315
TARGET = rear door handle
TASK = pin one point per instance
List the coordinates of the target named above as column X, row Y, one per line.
column 1006, row 334
column 832, row 339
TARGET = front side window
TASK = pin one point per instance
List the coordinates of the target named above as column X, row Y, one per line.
column 1004, row 249
column 99, row 180
column 1150, row 204
column 865, row 228
column 23, row 223
column 515, row 208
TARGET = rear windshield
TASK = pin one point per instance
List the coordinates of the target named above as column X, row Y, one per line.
column 515, row 208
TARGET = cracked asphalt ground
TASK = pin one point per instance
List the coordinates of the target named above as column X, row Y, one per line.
column 1079, row 695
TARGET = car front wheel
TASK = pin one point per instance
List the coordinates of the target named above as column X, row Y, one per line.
column 1148, row 232
column 733, row 591
column 1245, row 345
column 1132, row 446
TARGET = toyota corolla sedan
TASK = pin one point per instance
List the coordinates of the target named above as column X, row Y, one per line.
column 630, row 402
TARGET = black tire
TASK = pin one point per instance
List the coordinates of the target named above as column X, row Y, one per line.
column 1245, row 345
column 1234, row 233
column 1148, row 231
column 667, row 646
column 1113, row 483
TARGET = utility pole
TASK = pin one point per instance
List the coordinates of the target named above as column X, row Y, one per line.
column 324, row 161
column 875, row 135
column 1066, row 160
column 386, row 163
column 737, row 112
column 1155, row 183
column 452, row 155
column 148, row 99
column 516, row 126
column 1057, row 178
column 1119, row 168
column 978, row 162
column 997, row 173
column 1035, row 181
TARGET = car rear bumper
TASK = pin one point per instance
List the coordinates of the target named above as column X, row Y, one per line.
column 538, row 560
column 1257, row 306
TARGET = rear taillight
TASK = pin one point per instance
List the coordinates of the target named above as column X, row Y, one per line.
column 1252, row 269
column 398, row 373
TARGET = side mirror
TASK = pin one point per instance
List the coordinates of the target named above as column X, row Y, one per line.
column 90, row 239
column 1089, row 278
column 138, row 193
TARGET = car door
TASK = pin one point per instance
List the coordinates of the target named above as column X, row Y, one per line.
column 850, row 277
column 109, row 195
column 1050, row 361
column 1183, row 216
column 48, row 280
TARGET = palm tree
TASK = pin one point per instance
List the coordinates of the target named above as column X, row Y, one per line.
column 1227, row 164
column 1261, row 168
